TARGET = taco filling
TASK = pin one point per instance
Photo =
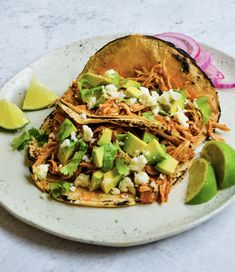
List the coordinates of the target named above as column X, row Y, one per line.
column 125, row 130
column 102, row 164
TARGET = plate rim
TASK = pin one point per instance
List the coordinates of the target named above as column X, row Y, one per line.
column 179, row 229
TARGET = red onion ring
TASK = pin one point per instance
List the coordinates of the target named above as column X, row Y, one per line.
column 193, row 48
column 178, row 43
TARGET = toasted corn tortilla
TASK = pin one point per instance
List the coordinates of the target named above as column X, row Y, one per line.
column 82, row 196
column 127, row 53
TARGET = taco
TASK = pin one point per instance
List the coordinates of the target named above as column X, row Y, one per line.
column 144, row 78
column 105, row 164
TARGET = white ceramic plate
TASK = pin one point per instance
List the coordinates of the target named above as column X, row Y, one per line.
column 114, row 227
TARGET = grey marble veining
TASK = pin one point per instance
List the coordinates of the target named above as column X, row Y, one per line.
column 29, row 29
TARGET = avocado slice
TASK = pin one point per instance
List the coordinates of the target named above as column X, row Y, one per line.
column 65, row 129
column 110, row 180
column 148, row 137
column 96, row 180
column 83, row 181
column 167, row 166
column 106, row 137
column 113, row 76
column 129, row 83
column 121, row 137
column 66, row 153
column 98, row 156
column 133, row 145
column 133, row 92
column 86, row 94
column 96, row 80
column 174, row 106
column 154, row 152
column 149, row 115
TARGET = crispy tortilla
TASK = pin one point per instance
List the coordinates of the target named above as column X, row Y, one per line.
column 82, row 196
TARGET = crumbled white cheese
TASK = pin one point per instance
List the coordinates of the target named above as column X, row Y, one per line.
column 154, row 186
column 91, row 102
column 165, row 99
column 87, row 133
column 156, row 109
column 141, row 178
column 86, row 158
column 121, row 143
column 137, row 163
column 148, row 99
column 181, row 118
column 92, row 140
column 132, row 101
column 125, row 185
column 110, row 73
column 72, row 188
column 40, row 171
column 83, row 115
column 65, row 143
column 73, row 136
column 111, row 90
column 144, row 90
column 161, row 176
column 174, row 95
column 115, row 191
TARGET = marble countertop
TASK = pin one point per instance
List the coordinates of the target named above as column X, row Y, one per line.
column 28, row 30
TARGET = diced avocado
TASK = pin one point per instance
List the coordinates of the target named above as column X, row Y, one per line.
column 133, row 145
column 86, row 94
column 96, row 180
column 167, row 166
column 202, row 103
column 129, row 83
column 65, row 129
column 149, row 115
column 177, row 104
column 96, row 80
column 121, row 137
column 106, row 137
column 154, row 152
column 83, row 181
column 148, row 137
column 100, row 100
column 133, row 92
column 121, row 165
column 98, row 156
column 110, row 180
column 113, row 75
column 110, row 153
column 163, row 147
column 66, row 153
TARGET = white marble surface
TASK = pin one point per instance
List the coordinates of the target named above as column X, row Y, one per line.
column 28, row 30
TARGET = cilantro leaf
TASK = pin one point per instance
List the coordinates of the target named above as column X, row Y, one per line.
column 71, row 167
column 59, row 188
column 20, row 142
column 122, row 166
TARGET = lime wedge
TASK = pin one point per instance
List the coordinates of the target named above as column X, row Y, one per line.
column 202, row 182
column 222, row 158
column 38, row 96
column 11, row 117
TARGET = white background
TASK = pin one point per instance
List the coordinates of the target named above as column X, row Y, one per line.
column 28, row 30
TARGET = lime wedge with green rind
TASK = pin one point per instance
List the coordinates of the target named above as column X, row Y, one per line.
column 38, row 96
column 202, row 182
column 222, row 158
column 11, row 117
